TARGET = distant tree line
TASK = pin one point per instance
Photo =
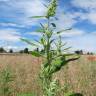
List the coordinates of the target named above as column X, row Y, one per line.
column 80, row 52
column 26, row 50
column 2, row 50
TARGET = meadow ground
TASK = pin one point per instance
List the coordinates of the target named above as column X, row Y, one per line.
column 78, row 76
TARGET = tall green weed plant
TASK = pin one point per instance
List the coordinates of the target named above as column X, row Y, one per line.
column 54, row 57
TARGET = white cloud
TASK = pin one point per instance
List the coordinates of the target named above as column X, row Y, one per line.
column 85, row 42
column 34, row 34
column 26, row 9
column 89, row 6
column 29, row 8
column 86, row 4
column 17, row 48
column 93, row 33
column 4, row 0
column 79, row 40
column 73, row 32
column 4, row 24
column 33, row 7
column 65, row 21
column 14, row 48
column 8, row 24
column 9, row 35
column 69, row 33
column 92, row 17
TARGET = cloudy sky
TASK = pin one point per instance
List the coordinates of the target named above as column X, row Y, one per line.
column 80, row 15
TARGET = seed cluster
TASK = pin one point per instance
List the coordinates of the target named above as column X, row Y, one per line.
column 52, row 8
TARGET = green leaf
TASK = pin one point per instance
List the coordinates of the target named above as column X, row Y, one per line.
column 36, row 54
column 67, row 54
column 63, row 30
column 64, row 44
column 43, row 41
column 53, row 24
column 42, row 26
column 69, row 94
column 67, row 48
column 37, row 17
column 52, row 41
column 37, row 41
column 73, row 59
column 40, row 30
column 27, row 41
column 45, row 5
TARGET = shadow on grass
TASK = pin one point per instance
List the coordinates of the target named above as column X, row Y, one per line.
column 76, row 94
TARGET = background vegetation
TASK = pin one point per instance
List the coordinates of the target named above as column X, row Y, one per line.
column 79, row 76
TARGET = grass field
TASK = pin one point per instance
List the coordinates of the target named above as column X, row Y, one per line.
column 79, row 76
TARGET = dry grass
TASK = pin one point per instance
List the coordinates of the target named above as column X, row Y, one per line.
column 80, row 76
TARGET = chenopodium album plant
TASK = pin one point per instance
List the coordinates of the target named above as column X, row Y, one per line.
column 54, row 58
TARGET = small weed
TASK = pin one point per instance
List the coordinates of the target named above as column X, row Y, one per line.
column 6, row 79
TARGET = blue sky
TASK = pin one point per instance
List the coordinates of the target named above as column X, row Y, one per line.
column 80, row 15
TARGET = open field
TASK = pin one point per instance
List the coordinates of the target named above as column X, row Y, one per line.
column 79, row 76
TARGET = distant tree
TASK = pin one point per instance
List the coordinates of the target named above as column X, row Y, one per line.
column 89, row 53
column 21, row 51
column 10, row 51
column 79, row 52
column 2, row 50
column 37, row 49
column 92, row 53
column 26, row 50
